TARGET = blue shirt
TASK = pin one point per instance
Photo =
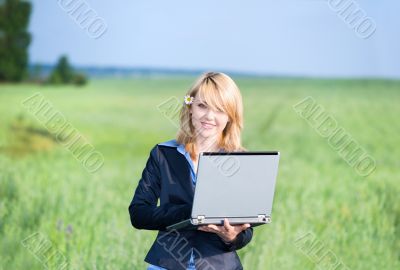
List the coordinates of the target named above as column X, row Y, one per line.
column 181, row 149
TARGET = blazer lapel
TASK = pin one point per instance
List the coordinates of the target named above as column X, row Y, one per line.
column 179, row 167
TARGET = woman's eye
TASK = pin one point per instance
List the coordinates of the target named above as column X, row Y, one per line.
column 201, row 105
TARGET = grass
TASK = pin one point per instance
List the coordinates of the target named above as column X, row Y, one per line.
column 85, row 215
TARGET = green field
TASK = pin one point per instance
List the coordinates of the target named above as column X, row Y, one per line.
column 84, row 216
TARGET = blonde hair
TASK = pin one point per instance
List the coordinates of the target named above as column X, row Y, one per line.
column 220, row 92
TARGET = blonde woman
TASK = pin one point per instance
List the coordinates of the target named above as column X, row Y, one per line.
column 211, row 120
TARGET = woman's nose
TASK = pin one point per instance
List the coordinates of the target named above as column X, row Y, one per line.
column 210, row 114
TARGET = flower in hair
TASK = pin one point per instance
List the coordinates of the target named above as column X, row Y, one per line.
column 188, row 100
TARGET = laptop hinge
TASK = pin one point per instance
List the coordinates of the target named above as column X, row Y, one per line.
column 200, row 219
column 264, row 218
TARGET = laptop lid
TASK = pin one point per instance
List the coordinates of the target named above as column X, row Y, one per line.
column 236, row 184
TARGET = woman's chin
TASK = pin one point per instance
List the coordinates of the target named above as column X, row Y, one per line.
column 207, row 134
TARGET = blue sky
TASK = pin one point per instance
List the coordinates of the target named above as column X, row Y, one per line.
column 297, row 37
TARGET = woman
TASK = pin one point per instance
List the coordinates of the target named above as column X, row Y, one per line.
column 211, row 120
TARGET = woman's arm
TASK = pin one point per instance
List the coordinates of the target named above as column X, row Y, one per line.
column 143, row 209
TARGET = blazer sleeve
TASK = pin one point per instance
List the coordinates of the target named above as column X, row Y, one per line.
column 143, row 210
column 241, row 240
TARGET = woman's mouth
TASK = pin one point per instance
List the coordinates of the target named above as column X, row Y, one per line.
column 207, row 125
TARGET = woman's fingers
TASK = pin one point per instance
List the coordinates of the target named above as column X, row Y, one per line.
column 203, row 228
column 245, row 226
column 211, row 228
column 227, row 226
column 214, row 227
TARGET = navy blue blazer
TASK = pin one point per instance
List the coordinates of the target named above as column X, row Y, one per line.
column 166, row 176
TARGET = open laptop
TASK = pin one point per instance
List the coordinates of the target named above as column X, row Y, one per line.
column 238, row 186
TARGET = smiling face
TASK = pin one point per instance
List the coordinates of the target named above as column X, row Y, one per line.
column 208, row 122
column 215, row 118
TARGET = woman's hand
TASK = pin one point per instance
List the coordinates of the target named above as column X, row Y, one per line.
column 227, row 232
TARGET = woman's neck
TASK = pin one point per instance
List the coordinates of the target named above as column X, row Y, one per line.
column 207, row 145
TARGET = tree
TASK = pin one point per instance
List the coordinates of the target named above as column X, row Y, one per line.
column 63, row 73
column 14, row 39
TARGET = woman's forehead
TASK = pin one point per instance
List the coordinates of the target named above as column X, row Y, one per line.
column 208, row 97
column 206, row 100
column 199, row 99
column 211, row 96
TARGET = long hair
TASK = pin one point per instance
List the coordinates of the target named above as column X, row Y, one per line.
column 220, row 92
